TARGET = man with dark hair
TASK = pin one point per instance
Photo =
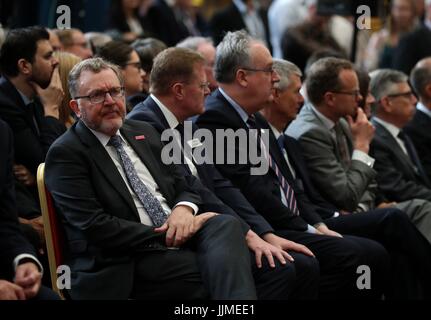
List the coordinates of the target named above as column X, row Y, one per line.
column 418, row 128
column 244, row 70
column 382, row 225
column 166, row 109
column 30, row 96
column 338, row 148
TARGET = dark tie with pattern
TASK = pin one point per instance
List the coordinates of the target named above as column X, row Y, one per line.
column 285, row 186
column 411, row 151
column 31, row 110
column 342, row 145
column 151, row 205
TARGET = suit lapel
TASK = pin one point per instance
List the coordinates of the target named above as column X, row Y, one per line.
column 103, row 161
column 393, row 145
column 143, row 150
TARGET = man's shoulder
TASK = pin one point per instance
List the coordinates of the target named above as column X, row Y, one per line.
column 306, row 124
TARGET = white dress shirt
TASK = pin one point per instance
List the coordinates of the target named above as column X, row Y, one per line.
column 143, row 173
column 394, row 131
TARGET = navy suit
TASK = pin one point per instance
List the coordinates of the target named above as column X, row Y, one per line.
column 263, row 192
column 419, row 132
column 217, row 189
column 13, row 242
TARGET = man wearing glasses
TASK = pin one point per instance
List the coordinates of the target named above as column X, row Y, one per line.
column 400, row 173
column 136, row 228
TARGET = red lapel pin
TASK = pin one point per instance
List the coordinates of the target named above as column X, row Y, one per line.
column 141, row 137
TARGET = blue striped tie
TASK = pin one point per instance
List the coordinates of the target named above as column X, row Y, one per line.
column 285, row 186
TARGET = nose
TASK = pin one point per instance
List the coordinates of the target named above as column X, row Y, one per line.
column 108, row 99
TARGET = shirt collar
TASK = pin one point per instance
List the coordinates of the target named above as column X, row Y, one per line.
column 276, row 133
column 244, row 116
column 170, row 117
column 241, row 6
column 24, row 98
column 328, row 123
column 388, row 126
column 103, row 138
column 424, row 109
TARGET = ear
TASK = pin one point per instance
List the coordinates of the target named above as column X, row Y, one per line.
column 241, row 77
column 386, row 104
column 178, row 91
column 428, row 90
column 276, row 95
column 329, row 98
column 73, row 104
column 24, row 66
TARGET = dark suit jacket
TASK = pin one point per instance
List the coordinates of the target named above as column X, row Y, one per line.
column 218, row 185
column 312, row 206
column 12, row 241
column 30, row 147
column 262, row 191
column 419, row 132
column 396, row 175
column 102, row 224
column 411, row 48
column 230, row 19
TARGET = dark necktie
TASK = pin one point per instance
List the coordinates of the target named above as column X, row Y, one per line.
column 151, row 205
column 342, row 145
column 285, row 186
column 411, row 151
column 31, row 110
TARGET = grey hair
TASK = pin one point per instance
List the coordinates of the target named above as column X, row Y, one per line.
column 232, row 53
column 193, row 43
column 383, row 82
column 94, row 65
column 285, row 70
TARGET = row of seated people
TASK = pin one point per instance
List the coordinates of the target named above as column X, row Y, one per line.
column 124, row 210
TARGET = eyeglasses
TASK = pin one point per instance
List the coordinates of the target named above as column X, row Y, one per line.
column 137, row 65
column 354, row 93
column 266, row 70
column 100, row 96
column 84, row 45
column 408, row 94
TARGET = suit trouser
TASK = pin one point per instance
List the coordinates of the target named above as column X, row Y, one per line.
column 214, row 264
column 419, row 213
column 339, row 259
column 409, row 250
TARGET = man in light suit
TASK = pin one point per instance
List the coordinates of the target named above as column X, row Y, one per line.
column 131, row 221
column 244, row 70
column 167, row 109
column 381, row 225
column 418, row 128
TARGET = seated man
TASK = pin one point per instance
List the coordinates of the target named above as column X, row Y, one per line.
column 244, row 70
column 20, row 271
column 130, row 220
column 400, row 173
column 165, row 110
column 418, row 127
column 30, row 96
column 382, row 225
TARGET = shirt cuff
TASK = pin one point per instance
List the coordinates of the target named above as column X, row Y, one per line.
column 19, row 257
column 311, row 229
column 363, row 157
column 188, row 204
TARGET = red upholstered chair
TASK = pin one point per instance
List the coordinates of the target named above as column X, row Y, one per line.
column 53, row 230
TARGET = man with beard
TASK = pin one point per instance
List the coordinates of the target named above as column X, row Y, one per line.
column 30, row 95
column 136, row 228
